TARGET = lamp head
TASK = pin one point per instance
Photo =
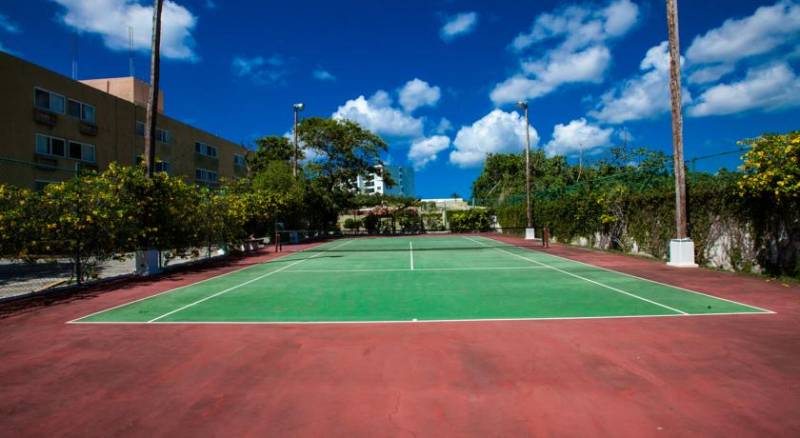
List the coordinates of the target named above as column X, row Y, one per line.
column 299, row 106
column 522, row 104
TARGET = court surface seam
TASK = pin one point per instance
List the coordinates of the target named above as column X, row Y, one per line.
column 584, row 278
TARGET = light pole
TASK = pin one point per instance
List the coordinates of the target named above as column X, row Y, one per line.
column 681, row 249
column 529, row 231
column 297, row 108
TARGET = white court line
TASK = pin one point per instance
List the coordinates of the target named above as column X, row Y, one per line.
column 76, row 320
column 423, row 321
column 411, row 254
column 489, row 268
column 584, row 278
column 242, row 284
column 761, row 309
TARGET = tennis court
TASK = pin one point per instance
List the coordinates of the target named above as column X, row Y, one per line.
column 417, row 279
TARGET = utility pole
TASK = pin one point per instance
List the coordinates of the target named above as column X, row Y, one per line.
column 297, row 108
column 529, row 231
column 681, row 248
column 148, row 260
column 152, row 101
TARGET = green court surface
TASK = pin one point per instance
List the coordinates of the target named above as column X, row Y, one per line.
column 402, row 279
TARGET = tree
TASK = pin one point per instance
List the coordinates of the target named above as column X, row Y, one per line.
column 344, row 150
column 271, row 148
column 772, row 168
column 152, row 101
column 470, row 220
column 20, row 223
column 275, row 181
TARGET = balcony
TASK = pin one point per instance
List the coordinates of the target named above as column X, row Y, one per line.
column 45, row 117
column 87, row 128
column 45, row 162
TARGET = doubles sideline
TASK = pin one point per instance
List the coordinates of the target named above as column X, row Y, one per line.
column 759, row 309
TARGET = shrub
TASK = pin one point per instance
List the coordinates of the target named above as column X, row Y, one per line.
column 469, row 220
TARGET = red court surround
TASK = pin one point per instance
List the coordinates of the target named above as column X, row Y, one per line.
column 727, row 376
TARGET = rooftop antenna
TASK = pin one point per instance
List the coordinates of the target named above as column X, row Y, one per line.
column 75, row 56
column 130, row 51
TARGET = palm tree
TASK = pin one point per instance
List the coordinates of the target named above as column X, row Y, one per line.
column 152, row 101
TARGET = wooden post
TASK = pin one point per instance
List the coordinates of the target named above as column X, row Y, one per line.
column 677, row 119
column 152, row 101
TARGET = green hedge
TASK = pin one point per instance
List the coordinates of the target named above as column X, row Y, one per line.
column 103, row 215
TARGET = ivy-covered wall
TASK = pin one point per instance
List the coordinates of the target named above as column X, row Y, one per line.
column 748, row 220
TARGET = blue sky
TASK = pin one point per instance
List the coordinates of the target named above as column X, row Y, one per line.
column 438, row 79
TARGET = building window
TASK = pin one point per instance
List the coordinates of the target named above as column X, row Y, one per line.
column 206, row 176
column 81, row 110
column 81, row 151
column 89, row 153
column 160, row 166
column 205, row 149
column 75, row 150
column 163, row 166
column 47, row 145
column 239, row 160
column 162, row 135
column 48, row 101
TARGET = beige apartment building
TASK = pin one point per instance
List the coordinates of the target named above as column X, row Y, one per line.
column 53, row 125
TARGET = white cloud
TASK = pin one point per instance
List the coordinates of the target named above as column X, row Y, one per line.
column 377, row 115
column 7, row 25
column 711, row 73
column 588, row 65
column 444, row 126
column 259, row 69
column 620, row 16
column 496, row 132
column 111, row 19
column 577, row 135
column 768, row 28
column 323, row 75
column 381, row 99
column 715, row 54
column 459, row 24
column 580, row 26
column 643, row 96
column 581, row 54
column 766, row 88
column 425, row 150
column 418, row 93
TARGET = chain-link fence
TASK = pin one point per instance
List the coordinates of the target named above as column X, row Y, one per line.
column 21, row 277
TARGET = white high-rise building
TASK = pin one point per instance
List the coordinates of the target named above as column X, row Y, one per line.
column 374, row 184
